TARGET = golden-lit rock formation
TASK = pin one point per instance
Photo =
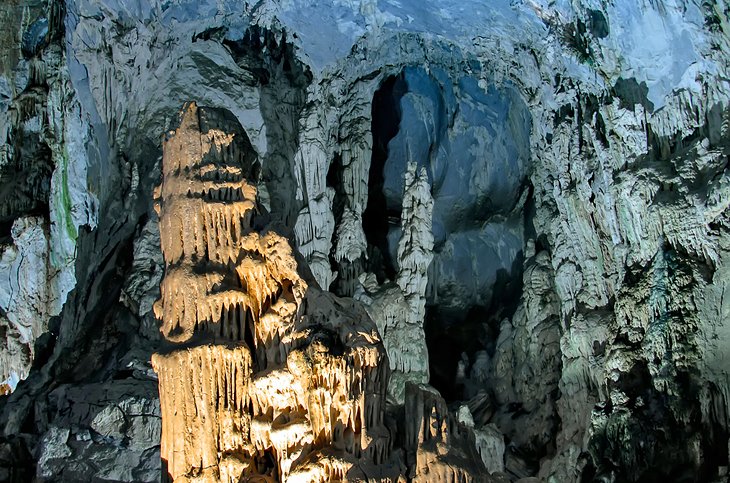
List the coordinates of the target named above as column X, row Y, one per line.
column 203, row 402
column 438, row 446
column 264, row 377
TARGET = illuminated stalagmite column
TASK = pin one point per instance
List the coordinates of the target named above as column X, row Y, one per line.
column 264, row 377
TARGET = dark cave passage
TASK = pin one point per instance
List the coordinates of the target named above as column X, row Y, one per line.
column 449, row 334
column 457, row 334
column 386, row 117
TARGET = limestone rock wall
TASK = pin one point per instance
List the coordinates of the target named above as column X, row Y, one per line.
column 45, row 198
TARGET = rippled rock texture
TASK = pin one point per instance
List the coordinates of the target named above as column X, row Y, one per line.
column 518, row 209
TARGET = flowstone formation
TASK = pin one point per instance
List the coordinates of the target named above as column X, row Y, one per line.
column 265, row 378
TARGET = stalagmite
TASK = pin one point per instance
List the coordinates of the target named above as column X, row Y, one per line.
column 262, row 375
column 399, row 308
